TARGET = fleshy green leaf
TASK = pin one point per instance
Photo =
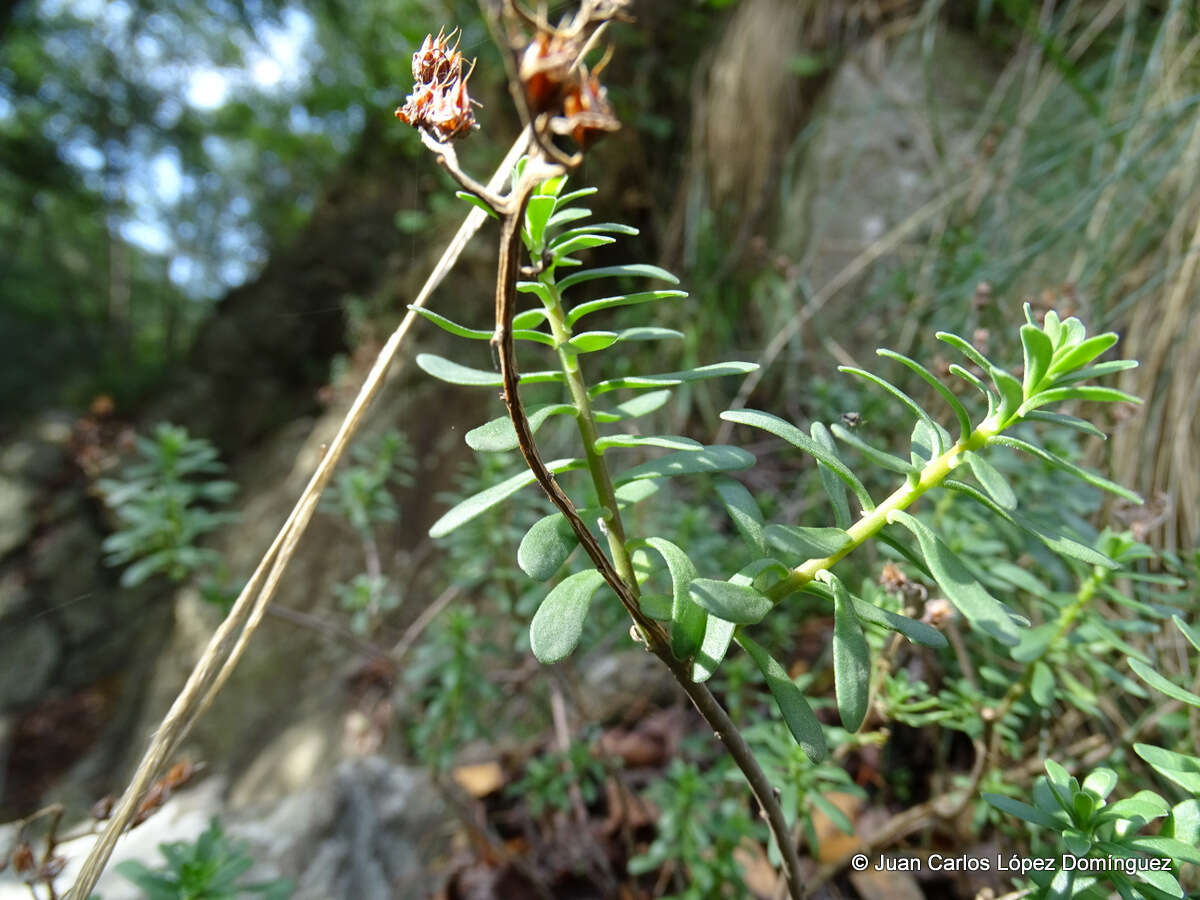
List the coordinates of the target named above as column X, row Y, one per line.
column 499, row 435
column 566, row 217
column 538, row 288
column 530, row 318
column 670, row 379
column 446, row 370
column 797, row 438
column 649, row 333
column 558, row 623
column 687, row 619
column 1144, row 805
column 915, row 631
column 562, row 248
column 743, row 510
column 795, row 709
column 475, row 201
column 1041, row 686
column 1166, row 847
column 1181, row 769
column 1024, row 811
column 598, row 228
column 1187, row 631
column 964, row 347
column 1082, row 354
column 1163, row 685
column 801, row 544
column 591, row 341
column 960, row 411
column 592, row 306
column 851, row 660
column 718, row 458
column 639, row 405
column 1092, row 478
column 638, row 270
column 537, row 214
column 830, row 483
column 913, row 406
column 1011, row 394
column 1053, row 539
column 960, row 586
column 993, row 482
column 546, row 546
column 1090, row 393
column 1041, row 415
column 656, row 606
column 1100, row 783
column 1038, row 351
column 881, row 458
column 717, row 636
column 737, row 603
column 668, row 442
column 479, row 503
column 1184, row 824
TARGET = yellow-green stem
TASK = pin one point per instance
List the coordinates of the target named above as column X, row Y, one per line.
column 586, row 421
column 870, row 523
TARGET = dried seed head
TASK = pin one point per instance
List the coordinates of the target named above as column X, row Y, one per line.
column 439, row 101
column 52, row 868
column 103, row 808
column 22, row 858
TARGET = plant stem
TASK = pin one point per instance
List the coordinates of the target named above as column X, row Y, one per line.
column 702, row 698
column 586, row 421
column 1087, row 590
column 871, row 523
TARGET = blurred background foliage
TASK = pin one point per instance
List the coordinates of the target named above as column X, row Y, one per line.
column 156, row 156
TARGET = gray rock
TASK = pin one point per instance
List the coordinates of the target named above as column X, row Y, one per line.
column 30, row 651
column 16, row 514
column 369, row 833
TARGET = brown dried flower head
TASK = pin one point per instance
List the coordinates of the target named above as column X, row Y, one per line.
column 22, row 858
column 439, row 102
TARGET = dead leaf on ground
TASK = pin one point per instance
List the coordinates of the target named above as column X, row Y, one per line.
column 757, row 872
column 877, row 885
column 833, row 843
column 480, row 779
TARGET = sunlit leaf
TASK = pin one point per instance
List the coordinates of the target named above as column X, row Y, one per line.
column 797, row 438
column 546, row 546
column 993, row 482
column 669, row 379
column 851, row 659
column 687, row 619
column 638, row 270
column 801, row 544
column 743, row 510
column 737, row 603
column 558, row 622
column 592, row 306
column 483, row 501
column 454, row 373
column 668, row 442
column 830, row 483
column 718, row 458
column 499, row 435
column 1058, row 462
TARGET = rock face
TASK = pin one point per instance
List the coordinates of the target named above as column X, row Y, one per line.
column 369, row 830
column 70, row 637
column 876, row 157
